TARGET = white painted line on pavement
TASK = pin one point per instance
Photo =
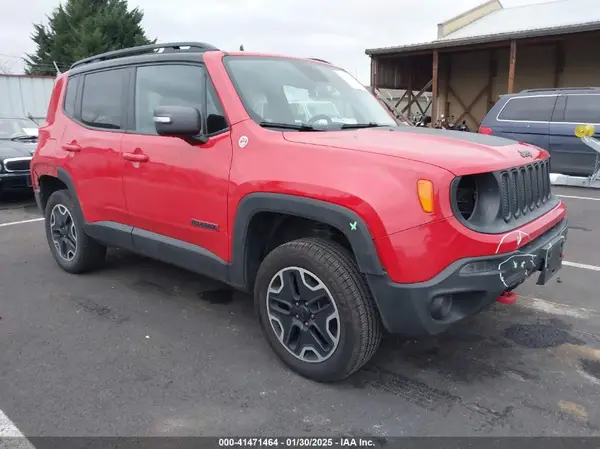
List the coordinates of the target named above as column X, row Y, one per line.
column 581, row 265
column 554, row 308
column 578, row 197
column 13, row 223
column 9, row 430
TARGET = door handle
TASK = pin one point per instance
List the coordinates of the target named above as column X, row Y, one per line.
column 72, row 147
column 136, row 157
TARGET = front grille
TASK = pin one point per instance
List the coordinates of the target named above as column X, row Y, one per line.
column 524, row 189
column 18, row 164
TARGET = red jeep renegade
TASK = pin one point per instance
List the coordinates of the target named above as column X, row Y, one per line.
column 287, row 179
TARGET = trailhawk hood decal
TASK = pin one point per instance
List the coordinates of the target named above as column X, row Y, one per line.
column 460, row 152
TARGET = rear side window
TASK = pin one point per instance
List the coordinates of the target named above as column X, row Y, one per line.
column 102, row 100
column 530, row 109
column 69, row 103
column 583, row 108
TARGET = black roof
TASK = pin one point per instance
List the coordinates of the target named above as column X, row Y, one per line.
column 559, row 89
column 146, row 51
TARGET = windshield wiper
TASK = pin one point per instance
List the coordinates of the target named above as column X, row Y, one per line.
column 297, row 127
column 24, row 137
column 362, row 125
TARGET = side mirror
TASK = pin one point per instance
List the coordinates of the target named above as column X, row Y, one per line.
column 177, row 121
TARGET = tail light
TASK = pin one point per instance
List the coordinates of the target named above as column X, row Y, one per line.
column 485, row 130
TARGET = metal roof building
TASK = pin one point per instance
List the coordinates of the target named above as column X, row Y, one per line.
column 25, row 96
column 491, row 50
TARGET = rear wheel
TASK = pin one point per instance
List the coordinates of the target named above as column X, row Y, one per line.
column 316, row 310
column 71, row 247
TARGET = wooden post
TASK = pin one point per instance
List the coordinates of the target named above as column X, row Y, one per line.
column 410, row 88
column 373, row 73
column 511, row 66
column 447, row 66
column 559, row 63
column 491, row 79
column 434, row 86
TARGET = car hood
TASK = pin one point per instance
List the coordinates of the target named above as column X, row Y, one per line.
column 459, row 152
column 11, row 148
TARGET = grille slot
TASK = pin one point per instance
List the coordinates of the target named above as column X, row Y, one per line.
column 17, row 164
column 505, row 193
column 524, row 189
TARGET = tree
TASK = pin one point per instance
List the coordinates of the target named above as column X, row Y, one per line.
column 77, row 29
column 242, row 47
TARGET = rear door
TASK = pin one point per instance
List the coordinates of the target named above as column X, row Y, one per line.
column 570, row 156
column 526, row 119
column 92, row 142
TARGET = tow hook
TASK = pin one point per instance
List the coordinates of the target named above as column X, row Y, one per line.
column 507, row 298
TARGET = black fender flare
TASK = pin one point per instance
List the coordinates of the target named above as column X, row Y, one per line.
column 65, row 177
column 341, row 218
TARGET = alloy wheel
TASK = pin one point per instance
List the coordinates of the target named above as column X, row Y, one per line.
column 303, row 314
column 64, row 233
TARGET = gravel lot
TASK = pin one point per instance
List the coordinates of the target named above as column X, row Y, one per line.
column 141, row 348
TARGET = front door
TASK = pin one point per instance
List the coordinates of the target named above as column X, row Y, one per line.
column 176, row 191
column 570, row 156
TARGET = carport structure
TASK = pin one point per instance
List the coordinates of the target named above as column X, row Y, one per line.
column 490, row 51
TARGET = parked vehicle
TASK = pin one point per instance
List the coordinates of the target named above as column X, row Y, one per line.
column 450, row 125
column 342, row 232
column 424, row 122
column 547, row 118
column 18, row 140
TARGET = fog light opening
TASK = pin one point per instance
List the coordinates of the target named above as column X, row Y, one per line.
column 440, row 307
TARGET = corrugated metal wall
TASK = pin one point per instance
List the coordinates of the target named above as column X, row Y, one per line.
column 23, row 96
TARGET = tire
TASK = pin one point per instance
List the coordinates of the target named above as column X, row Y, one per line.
column 352, row 322
column 87, row 253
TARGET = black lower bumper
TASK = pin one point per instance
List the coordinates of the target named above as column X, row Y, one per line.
column 12, row 182
column 465, row 287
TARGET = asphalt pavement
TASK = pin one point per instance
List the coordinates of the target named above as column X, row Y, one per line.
column 142, row 348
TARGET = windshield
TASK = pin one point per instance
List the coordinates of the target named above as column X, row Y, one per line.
column 274, row 90
column 323, row 108
column 16, row 127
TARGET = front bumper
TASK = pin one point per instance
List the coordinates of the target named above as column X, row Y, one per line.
column 15, row 181
column 472, row 284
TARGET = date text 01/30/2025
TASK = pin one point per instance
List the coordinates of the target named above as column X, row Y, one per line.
column 292, row 442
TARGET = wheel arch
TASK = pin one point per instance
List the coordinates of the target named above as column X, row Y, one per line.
column 62, row 179
column 346, row 221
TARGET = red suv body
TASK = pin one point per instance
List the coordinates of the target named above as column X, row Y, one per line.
column 343, row 223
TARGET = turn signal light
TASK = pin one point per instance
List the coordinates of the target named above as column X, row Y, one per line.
column 425, row 192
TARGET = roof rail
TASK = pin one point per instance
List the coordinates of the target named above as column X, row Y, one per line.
column 550, row 89
column 320, row 60
column 170, row 47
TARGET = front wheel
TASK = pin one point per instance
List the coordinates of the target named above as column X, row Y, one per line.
column 316, row 310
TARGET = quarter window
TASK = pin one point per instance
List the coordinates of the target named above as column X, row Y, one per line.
column 69, row 103
column 102, row 101
column 174, row 85
column 530, row 109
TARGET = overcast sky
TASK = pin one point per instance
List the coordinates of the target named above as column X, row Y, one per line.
column 336, row 30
